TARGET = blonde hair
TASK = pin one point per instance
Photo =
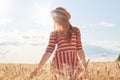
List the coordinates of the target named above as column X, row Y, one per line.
column 62, row 24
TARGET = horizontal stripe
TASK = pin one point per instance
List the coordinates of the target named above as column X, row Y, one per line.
column 59, row 39
column 64, row 42
column 73, row 36
column 66, row 45
column 67, row 48
column 52, row 41
column 79, row 44
column 64, row 38
column 50, row 48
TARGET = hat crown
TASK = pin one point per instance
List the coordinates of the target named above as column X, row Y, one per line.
column 62, row 10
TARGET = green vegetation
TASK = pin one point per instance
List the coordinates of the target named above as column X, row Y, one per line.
column 118, row 59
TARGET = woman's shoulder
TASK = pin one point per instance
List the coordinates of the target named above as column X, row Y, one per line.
column 75, row 28
column 53, row 33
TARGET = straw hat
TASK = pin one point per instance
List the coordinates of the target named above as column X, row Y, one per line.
column 61, row 10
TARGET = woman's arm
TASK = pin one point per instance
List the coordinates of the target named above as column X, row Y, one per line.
column 80, row 49
column 49, row 51
column 85, row 63
column 41, row 63
column 44, row 59
column 81, row 55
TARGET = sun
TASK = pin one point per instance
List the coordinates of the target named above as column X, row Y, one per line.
column 43, row 15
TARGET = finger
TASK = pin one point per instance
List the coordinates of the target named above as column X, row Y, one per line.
column 31, row 75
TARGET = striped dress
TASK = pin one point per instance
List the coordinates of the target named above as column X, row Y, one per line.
column 65, row 52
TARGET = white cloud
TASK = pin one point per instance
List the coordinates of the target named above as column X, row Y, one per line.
column 92, row 25
column 8, row 35
column 109, row 45
column 22, row 38
column 102, row 58
column 99, row 24
column 22, row 46
column 22, row 54
column 5, row 21
column 3, row 51
column 107, row 24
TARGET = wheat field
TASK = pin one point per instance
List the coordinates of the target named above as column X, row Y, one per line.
column 96, row 70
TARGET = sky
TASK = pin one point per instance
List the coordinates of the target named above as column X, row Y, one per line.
column 25, row 26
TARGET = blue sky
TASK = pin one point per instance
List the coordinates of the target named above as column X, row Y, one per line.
column 25, row 26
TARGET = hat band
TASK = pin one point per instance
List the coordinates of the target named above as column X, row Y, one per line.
column 59, row 14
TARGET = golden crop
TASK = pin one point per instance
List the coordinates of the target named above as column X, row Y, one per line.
column 96, row 71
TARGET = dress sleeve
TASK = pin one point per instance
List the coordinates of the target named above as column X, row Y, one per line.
column 52, row 42
column 79, row 43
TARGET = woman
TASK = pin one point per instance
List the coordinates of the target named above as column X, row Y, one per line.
column 68, row 41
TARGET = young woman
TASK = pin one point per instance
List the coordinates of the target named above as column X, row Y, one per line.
column 68, row 41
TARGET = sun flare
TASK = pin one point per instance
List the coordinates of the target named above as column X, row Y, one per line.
column 43, row 15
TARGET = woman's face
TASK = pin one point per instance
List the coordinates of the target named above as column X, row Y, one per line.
column 56, row 20
column 58, row 17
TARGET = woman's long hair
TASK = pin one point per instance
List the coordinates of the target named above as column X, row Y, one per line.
column 62, row 24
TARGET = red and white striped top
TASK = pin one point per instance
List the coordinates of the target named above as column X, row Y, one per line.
column 66, row 52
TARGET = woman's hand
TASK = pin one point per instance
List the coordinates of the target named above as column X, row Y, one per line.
column 41, row 63
column 34, row 73
column 86, row 74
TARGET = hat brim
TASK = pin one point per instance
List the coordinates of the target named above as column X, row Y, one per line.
column 61, row 11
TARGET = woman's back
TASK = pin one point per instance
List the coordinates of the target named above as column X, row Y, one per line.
column 66, row 51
